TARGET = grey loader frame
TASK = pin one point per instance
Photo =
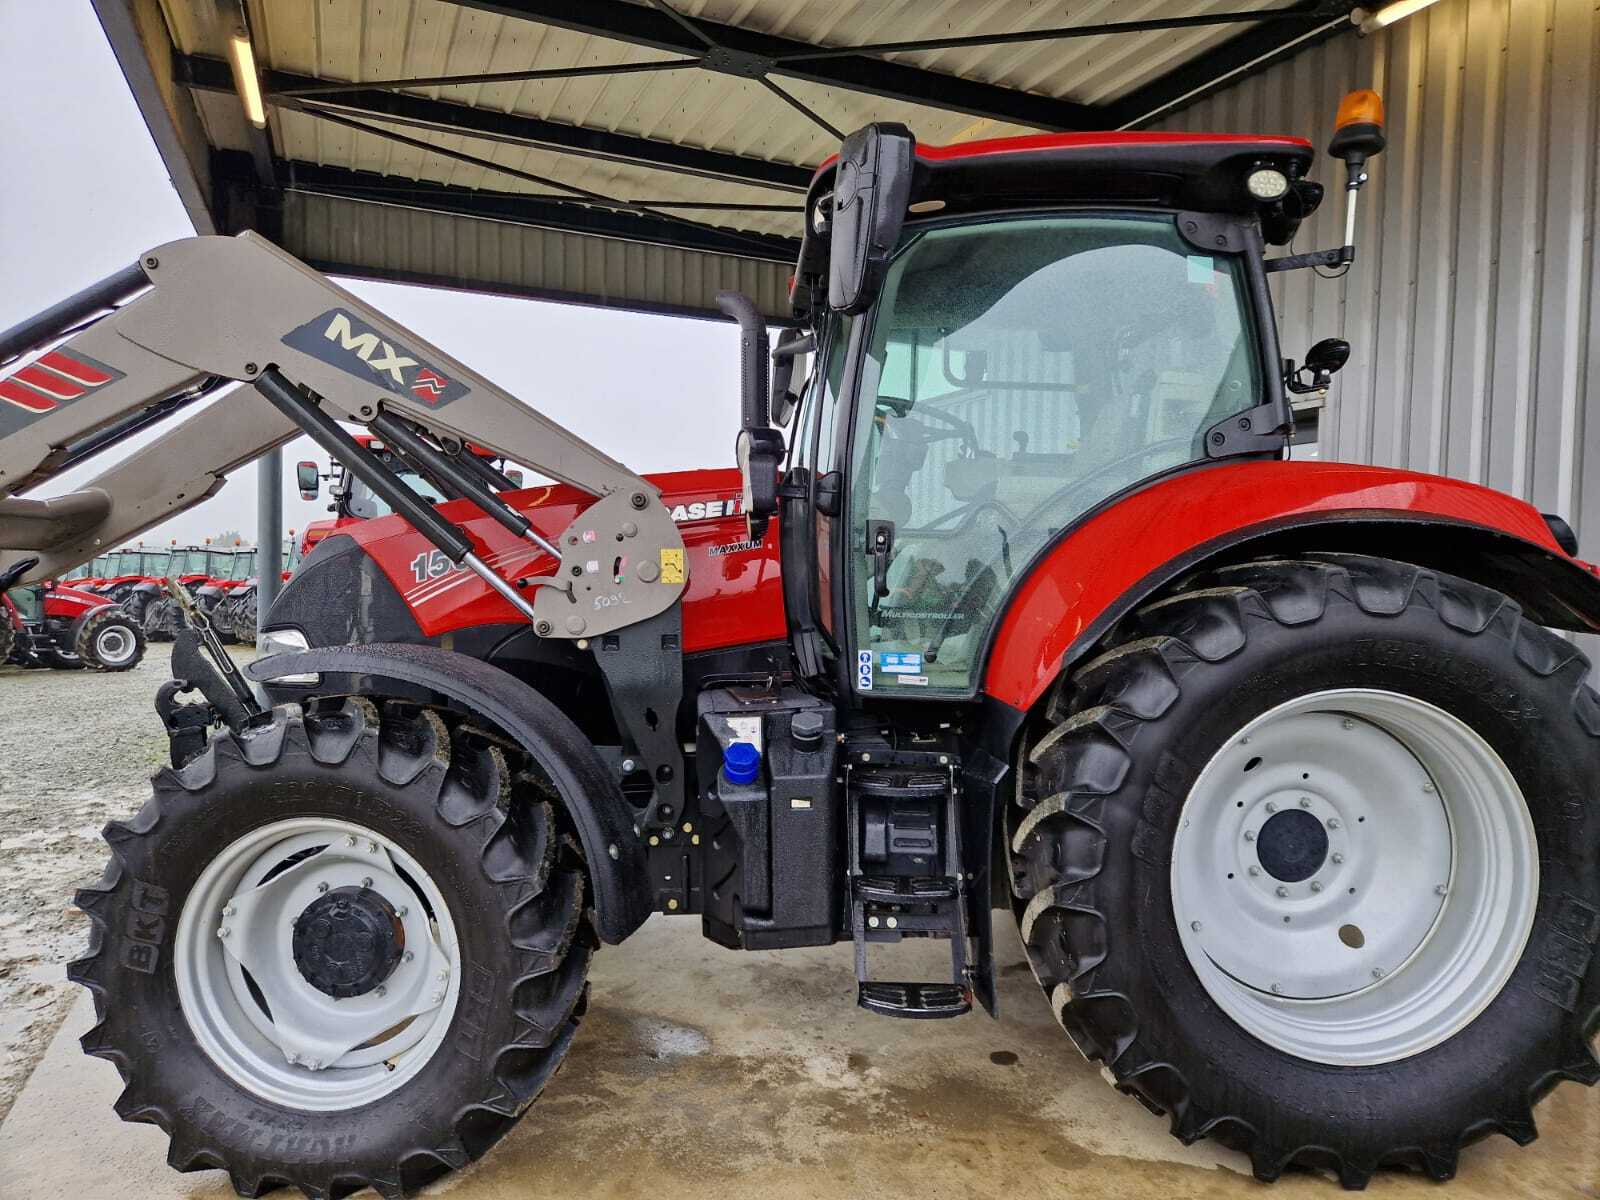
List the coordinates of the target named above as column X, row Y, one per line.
column 222, row 309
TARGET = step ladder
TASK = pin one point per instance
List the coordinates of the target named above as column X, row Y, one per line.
column 905, row 881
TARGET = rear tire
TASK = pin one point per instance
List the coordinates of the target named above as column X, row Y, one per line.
column 159, row 620
column 461, row 819
column 1100, row 856
column 109, row 640
column 8, row 637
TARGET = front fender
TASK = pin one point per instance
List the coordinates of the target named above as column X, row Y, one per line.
column 591, row 795
column 1103, row 567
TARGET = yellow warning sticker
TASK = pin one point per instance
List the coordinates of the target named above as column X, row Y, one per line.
column 672, row 566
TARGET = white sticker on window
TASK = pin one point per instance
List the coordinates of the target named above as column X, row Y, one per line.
column 900, row 662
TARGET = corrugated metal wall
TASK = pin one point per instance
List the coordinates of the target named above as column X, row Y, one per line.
column 1472, row 307
column 378, row 239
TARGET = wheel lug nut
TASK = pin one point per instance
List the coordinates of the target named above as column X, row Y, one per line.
column 408, row 956
column 1440, row 889
column 1347, row 723
column 1271, row 807
column 1249, row 835
column 229, row 910
column 1195, row 925
column 1315, row 886
column 1333, row 822
column 380, row 990
column 1428, row 788
column 1377, row 972
column 1282, row 891
column 1338, row 858
column 322, row 887
column 1255, row 871
column 224, row 932
column 438, row 998
column 366, row 881
column 1277, row 989
column 351, row 840
column 1305, row 801
column 402, row 911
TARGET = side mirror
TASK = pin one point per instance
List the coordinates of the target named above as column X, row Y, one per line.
column 759, row 447
column 784, row 356
column 871, row 187
column 309, row 479
column 1322, row 361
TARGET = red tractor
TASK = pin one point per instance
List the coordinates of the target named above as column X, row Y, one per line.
column 202, row 571
column 67, row 628
column 1013, row 606
column 133, row 579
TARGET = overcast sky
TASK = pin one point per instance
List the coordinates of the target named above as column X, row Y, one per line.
column 86, row 193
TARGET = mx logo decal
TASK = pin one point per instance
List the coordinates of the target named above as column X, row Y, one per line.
column 342, row 339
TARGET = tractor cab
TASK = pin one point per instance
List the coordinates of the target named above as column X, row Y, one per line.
column 1008, row 335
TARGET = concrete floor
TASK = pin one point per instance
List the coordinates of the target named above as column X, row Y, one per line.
column 703, row 1073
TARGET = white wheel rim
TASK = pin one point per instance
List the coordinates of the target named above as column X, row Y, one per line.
column 1418, row 909
column 306, row 1049
column 114, row 645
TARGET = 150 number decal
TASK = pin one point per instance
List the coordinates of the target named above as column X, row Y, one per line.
column 432, row 564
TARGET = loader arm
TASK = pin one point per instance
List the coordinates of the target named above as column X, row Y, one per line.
column 186, row 465
column 239, row 308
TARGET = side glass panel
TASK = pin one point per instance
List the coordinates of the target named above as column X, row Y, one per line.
column 1019, row 373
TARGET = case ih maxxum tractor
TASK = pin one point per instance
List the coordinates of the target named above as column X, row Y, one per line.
column 1014, row 604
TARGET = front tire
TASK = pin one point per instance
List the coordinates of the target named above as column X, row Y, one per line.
column 227, row 1041
column 109, row 640
column 1144, row 888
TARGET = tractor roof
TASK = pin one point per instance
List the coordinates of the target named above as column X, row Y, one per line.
column 1202, row 171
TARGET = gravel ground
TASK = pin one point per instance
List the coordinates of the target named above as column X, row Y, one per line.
column 77, row 749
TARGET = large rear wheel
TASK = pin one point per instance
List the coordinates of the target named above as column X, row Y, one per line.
column 337, row 952
column 1309, row 859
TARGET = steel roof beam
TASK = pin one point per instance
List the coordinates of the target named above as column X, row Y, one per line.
column 213, row 75
column 564, row 215
column 1253, row 50
column 1294, row 12
column 639, row 25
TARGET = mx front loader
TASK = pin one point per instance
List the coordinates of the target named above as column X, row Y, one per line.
column 1014, row 604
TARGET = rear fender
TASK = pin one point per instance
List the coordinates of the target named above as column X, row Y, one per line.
column 592, row 797
column 1101, row 569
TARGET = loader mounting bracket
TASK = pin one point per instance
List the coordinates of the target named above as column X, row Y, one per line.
column 643, row 670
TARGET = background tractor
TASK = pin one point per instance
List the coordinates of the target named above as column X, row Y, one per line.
column 1013, row 604
column 50, row 624
column 202, row 571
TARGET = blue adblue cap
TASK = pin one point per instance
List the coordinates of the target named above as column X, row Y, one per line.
column 741, row 763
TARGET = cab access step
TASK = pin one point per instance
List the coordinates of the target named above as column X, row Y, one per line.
column 905, row 876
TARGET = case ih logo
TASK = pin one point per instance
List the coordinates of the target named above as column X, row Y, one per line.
column 344, row 340
column 48, row 382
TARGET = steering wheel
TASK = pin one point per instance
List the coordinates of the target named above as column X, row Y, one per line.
column 958, row 610
column 955, row 425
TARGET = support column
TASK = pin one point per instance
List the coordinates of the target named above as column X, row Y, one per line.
column 269, row 533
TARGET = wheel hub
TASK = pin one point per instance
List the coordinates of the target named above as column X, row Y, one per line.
column 1292, row 845
column 348, row 941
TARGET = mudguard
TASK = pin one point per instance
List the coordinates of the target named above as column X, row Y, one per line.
column 1105, row 565
column 591, row 795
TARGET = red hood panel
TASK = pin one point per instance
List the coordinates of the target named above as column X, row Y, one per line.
column 734, row 596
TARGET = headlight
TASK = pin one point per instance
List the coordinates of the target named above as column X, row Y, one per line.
column 1266, row 183
column 287, row 641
